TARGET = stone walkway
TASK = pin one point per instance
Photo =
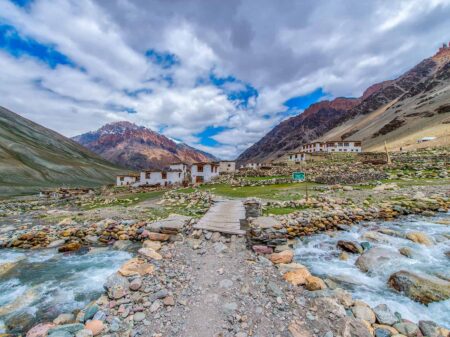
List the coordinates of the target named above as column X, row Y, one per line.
column 224, row 216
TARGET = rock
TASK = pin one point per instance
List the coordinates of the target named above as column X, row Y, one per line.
column 429, row 328
column 70, row 247
column 169, row 301
column 297, row 276
column 91, row 239
column 117, row 286
column 56, row 243
column 314, row 283
column 136, row 267
column 420, row 287
column 136, row 284
column 407, row 328
column 297, row 331
column 61, row 334
column 158, row 236
column 122, row 244
column 69, row 328
column 155, row 245
column 419, row 237
column 84, row 333
column 216, row 237
column 343, row 256
column 363, row 312
column 406, row 251
column 149, row 253
column 139, row 316
column 262, row 249
column 96, row 326
column 366, row 245
column 90, row 311
column 285, row 257
column 40, row 330
column 220, row 247
column 379, row 332
column 284, row 268
column 391, row 330
column 375, row 258
column 64, row 319
column 350, row 327
column 155, row 306
column 384, row 315
column 350, row 246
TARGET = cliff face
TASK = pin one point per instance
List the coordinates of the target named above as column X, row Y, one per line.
column 137, row 147
column 348, row 118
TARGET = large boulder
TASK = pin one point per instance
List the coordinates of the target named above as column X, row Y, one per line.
column 117, row 286
column 385, row 315
column 136, row 267
column 420, row 287
column 376, row 258
column 282, row 257
column 297, row 276
column 420, row 237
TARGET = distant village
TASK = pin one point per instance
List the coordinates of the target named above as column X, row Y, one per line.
column 183, row 174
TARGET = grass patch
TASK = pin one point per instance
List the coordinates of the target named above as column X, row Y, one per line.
column 265, row 178
column 271, row 192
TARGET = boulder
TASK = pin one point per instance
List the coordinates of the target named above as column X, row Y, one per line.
column 420, row 287
column 70, row 247
column 259, row 249
column 136, row 267
column 155, row 245
column 297, row 276
column 420, row 237
column 429, row 328
column 407, row 328
column 116, row 286
column 158, row 236
column 40, row 330
column 285, row 257
column 284, row 268
column 122, row 244
column 64, row 319
column 363, row 312
column 56, row 243
column 149, row 253
column 96, row 326
column 351, row 327
column 375, row 258
column 314, row 283
column 350, row 246
column 68, row 328
column 406, row 251
column 385, row 315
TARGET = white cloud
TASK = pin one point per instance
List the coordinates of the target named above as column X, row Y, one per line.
column 282, row 49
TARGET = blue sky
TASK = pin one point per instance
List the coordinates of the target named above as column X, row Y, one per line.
column 216, row 77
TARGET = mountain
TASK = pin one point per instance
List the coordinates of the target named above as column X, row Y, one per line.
column 33, row 157
column 137, row 147
column 399, row 111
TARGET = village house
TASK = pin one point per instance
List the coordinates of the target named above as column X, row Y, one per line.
column 127, row 179
column 332, row 146
column 302, row 157
column 174, row 175
column 226, row 166
column 253, row 166
column 204, row 172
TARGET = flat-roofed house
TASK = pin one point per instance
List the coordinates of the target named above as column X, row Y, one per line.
column 127, row 179
column 162, row 177
column 204, row 172
column 343, row 146
column 227, row 166
column 303, row 157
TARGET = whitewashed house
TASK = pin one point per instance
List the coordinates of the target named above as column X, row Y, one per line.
column 226, row 166
column 127, row 179
column 332, row 146
column 303, row 157
column 174, row 175
column 204, row 172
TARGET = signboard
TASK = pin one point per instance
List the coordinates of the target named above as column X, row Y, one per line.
column 298, row 176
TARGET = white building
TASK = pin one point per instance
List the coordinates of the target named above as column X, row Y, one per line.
column 332, row 146
column 174, row 175
column 227, row 166
column 204, row 172
column 127, row 179
column 302, row 157
column 253, row 166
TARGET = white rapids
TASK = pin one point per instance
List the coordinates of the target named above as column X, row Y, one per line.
column 320, row 255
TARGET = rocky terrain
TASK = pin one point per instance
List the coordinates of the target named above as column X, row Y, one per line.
column 398, row 111
column 33, row 157
column 137, row 147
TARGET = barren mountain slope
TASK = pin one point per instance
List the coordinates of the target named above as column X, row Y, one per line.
column 34, row 157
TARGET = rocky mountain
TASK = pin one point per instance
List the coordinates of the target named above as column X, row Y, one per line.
column 398, row 111
column 33, row 157
column 138, row 147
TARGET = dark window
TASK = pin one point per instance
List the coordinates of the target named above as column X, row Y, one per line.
column 199, row 168
column 164, row 175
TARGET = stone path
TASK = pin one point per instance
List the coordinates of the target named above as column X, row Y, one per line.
column 224, row 216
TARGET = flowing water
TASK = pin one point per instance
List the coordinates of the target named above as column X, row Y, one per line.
column 320, row 255
column 39, row 285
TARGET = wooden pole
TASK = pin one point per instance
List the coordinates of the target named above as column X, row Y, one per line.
column 387, row 154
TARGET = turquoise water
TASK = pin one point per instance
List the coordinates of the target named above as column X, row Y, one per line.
column 42, row 284
column 320, row 255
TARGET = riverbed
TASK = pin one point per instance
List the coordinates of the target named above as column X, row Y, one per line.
column 38, row 285
column 320, row 254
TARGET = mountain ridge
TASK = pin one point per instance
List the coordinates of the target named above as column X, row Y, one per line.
column 137, row 147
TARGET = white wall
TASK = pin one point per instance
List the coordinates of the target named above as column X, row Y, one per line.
column 209, row 172
column 125, row 181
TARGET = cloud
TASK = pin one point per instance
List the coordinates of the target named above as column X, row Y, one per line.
column 187, row 67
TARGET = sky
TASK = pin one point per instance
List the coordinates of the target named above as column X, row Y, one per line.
column 217, row 75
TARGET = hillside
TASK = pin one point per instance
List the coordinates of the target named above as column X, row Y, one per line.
column 33, row 157
column 138, row 147
column 398, row 111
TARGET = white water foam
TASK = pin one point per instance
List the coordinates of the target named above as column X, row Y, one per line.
column 320, row 254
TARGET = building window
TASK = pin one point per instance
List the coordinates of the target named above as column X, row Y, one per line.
column 164, row 175
column 346, row 144
column 147, row 175
column 199, row 168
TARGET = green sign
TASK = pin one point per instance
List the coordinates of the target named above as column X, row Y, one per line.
column 299, row 176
